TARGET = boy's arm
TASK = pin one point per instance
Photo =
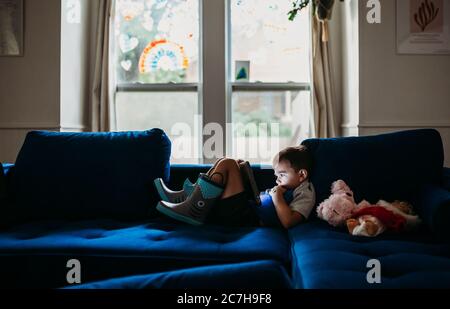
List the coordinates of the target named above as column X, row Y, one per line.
column 287, row 216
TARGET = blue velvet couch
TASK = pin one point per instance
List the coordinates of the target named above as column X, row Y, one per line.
column 90, row 197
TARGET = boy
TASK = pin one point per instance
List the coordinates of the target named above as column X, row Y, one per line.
column 219, row 196
column 292, row 167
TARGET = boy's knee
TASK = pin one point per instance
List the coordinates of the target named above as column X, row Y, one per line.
column 230, row 163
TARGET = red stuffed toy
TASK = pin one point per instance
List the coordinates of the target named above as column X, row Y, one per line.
column 372, row 220
column 365, row 219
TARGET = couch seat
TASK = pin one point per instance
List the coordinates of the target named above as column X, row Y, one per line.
column 36, row 254
column 326, row 257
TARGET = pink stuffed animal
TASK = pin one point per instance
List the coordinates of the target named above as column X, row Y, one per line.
column 339, row 206
column 364, row 219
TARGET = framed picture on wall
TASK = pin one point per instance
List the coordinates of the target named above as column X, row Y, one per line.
column 11, row 28
column 423, row 26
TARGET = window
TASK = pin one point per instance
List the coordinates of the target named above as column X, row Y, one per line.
column 157, row 67
column 271, row 110
column 176, row 69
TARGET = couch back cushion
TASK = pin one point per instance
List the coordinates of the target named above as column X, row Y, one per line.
column 89, row 175
column 386, row 166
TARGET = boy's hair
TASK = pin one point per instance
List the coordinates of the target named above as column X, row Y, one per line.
column 298, row 156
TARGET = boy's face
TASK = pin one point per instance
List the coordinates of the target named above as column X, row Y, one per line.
column 287, row 176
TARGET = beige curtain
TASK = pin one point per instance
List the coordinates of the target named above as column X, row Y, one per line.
column 323, row 84
column 103, row 108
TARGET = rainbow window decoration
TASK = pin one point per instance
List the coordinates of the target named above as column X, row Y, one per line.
column 164, row 55
column 157, row 41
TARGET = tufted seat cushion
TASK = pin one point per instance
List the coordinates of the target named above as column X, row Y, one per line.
column 325, row 257
column 36, row 254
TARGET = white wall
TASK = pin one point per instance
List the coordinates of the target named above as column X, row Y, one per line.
column 394, row 92
column 49, row 87
column 29, row 85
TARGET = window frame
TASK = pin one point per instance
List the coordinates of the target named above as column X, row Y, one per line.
column 233, row 86
column 217, row 88
column 172, row 87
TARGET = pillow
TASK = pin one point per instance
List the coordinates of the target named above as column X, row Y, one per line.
column 89, row 175
column 266, row 210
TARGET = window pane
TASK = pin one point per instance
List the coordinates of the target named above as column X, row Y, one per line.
column 278, row 49
column 176, row 113
column 266, row 122
column 157, row 41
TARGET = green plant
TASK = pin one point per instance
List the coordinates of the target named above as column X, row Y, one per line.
column 321, row 8
column 298, row 5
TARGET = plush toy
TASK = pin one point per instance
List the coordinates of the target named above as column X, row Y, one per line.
column 266, row 210
column 372, row 220
column 339, row 206
column 365, row 219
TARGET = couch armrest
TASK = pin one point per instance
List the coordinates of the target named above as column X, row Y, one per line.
column 6, row 171
column 5, row 175
column 2, row 184
column 446, row 178
column 433, row 207
column 7, row 167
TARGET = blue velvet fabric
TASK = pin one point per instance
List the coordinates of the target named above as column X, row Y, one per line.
column 433, row 207
column 5, row 194
column 89, row 175
column 260, row 274
column 2, row 185
column 55, row 181
column 387, row 166
column 35, row 254
column 326, row 257
column 7, row 167
column 446, row 178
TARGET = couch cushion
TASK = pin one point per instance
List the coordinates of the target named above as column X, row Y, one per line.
column 259, row 274
column 386, row 166
column 89, row 175
column 37, row 253
column 326, row 257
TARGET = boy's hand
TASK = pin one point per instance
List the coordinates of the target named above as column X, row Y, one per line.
column 277, row 193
